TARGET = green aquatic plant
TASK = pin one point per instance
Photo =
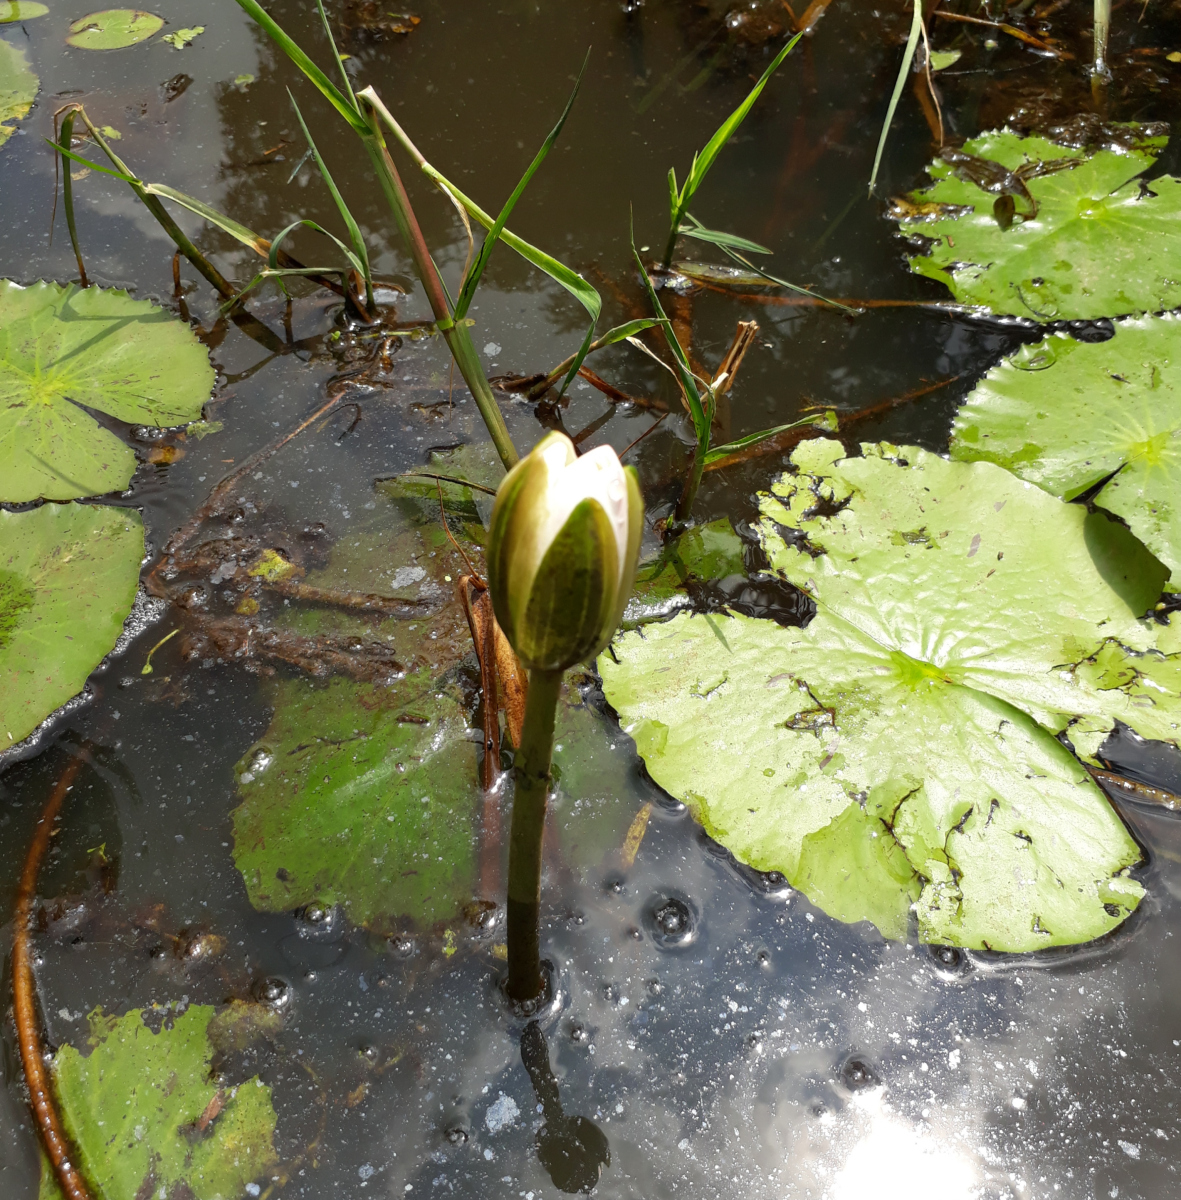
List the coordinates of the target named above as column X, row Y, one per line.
column 68, row 578
column 1033, row 228
column 903, row 752
column 1073, row 416
column 18, row 88
column 62, row 347
column 141, row 1105
column 562, row 555
column 113, row 29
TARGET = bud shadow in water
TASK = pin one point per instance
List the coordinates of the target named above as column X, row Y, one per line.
column 573, row 1150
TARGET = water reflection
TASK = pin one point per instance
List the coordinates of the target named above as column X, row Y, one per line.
column 573, row 1150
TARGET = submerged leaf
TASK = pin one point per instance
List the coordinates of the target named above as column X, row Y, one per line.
column 113, row 29
column 124, row 357
column 1093, row 243
column 1066, row 415
column 141, row 1086
column 68, row 576
column 700, row 555
column 20, row 10
column 900, row 749
column 18, row 88
column 361, row 796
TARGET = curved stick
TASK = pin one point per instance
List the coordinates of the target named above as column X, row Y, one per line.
column 24, row 998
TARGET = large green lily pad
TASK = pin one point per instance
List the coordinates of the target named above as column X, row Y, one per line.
column 1065, row 414
column 1097, row 247
column 124, row 357
column 18, row 88
column 133, row 1100
column 361, row 796
column 68, row 577
column 900, row 750
column 113, row 29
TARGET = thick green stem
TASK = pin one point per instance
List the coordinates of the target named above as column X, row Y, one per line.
column 66, row 137
column 673, row 232
column 692, row 483
column 1102, row 29
column 458, row 339
column 524, row 857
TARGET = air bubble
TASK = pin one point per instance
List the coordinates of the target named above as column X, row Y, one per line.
column 672, row 921
column 273, row 992
column 857, row 1075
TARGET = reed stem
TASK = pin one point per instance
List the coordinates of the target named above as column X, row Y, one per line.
column 528, row 826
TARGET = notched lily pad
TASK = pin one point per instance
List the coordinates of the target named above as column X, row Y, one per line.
column 68, row 577
column 361, row 796
column 147, row 1119
column 114, row 28
column 124, row 357
column 1032, row 228
column 18, row 88
column 1066, row 415
column 899, row 753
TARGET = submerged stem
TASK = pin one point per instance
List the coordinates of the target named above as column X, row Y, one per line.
column 524, row 861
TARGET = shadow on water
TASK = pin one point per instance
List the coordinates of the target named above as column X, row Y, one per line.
column 573, row 1150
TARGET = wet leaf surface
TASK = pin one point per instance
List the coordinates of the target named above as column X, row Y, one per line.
column 68, row 577
column 114, row 28
column 895, row 752
column 363, row 796
column 145, row 1115
column 101, row 349
column 18, row 88
column 1066, row 415
column 1098, row 245
column 701, row 555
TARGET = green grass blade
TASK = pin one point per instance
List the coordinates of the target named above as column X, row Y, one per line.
column 317, row 77
column 916, row 29
column 359, row 248
column 698, row 411
column 827, row 421
column 471, row 280
column 791, row 287
column 348, row 83
column 705, row 160
column 620, row 333
column 92, row 165
column 273, row 255
column 719, row 237
column 239, row 232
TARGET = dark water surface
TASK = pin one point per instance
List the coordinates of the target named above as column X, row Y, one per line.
column 775, row 1052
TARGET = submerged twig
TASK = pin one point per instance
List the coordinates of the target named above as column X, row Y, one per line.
column 1011, row 30
column 24, row 1000
column 1133, row 789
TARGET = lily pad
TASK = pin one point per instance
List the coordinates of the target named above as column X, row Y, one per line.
column 900, row 750
column 1066, row 415
column 68, row 577
column 361, row 796
column 700, row 555
column 20, row 10
column 1098, row 246
column 114, row 28
column 183, row 37
column 124, row 357
column 142, row 1083
column 18, row 88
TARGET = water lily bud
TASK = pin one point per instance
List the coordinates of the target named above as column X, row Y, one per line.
column 563, row 551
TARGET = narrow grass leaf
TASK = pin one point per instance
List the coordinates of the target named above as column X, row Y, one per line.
column 719, row 237
column 92, row 165
column 912, row 41
column 792, row 287
column 235, row 229
column 344, row 75
column 715, row 454
column 471, row 280
column 317, row 77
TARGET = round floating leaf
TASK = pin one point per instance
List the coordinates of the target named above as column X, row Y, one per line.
column 134, row 1103
column 1098, row 246
column 18, row 88
column 900, row 750
column 121, row 356
column 20, row 10
column 1066, row 414
column 68, row 577
column 114, row 28
column 361, row 796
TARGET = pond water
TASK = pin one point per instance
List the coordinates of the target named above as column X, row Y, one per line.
column 739, row 1042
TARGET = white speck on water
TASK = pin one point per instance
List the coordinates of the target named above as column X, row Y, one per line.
column 863, row 1007
column 1018, row 1103
column 365, row 1170
column 405, row 576
column 492, row 348
column 488, row 1155
column 501, row 1113
column 1131, row 1149
column 953, row 1059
